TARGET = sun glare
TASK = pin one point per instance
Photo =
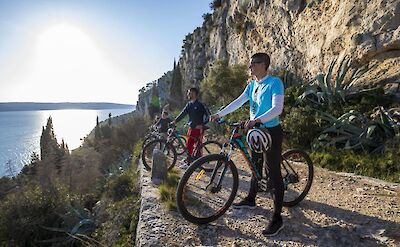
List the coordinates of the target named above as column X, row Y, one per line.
column 63, row 48
column 69, row 61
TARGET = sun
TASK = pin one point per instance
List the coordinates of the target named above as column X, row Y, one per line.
column 64, row 49
column 69, row 61
column 63, row 40
column 68, row 64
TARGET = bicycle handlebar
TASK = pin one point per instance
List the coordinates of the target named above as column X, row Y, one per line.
column 239, row 125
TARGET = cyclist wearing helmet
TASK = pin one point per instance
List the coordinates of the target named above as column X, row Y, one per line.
column 266, row 94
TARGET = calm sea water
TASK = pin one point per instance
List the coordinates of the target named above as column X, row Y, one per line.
column 20, row 132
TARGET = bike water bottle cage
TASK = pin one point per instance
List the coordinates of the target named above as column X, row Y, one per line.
column 258, row 140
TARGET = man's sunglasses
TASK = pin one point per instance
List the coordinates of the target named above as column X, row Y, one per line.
column 254, row 62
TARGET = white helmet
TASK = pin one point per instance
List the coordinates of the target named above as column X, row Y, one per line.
column 259, row 141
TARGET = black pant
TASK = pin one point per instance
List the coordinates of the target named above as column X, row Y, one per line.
column 273, row 168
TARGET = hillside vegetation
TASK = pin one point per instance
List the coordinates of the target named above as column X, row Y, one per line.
column 86, row 197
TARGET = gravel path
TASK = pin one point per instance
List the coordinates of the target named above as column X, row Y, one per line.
column 340, row 210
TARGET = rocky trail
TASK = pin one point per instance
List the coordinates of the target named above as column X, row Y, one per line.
column 340, row 210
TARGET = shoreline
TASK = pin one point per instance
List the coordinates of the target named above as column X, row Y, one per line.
column 20, row 153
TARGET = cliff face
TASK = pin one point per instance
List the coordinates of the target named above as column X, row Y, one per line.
column 301, row 38
column 159, row 88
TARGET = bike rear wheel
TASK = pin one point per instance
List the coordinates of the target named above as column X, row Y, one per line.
column 148, row 138
column 297, row 173
column 161, row 144
column 202, row 196
column 180, row 146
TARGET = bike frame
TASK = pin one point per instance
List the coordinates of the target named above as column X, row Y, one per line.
column 237, row 140
column 177, row 135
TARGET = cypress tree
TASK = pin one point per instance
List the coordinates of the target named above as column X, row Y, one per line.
column 176, row 97
column 49, row 148
column 97, row 134
column 48, row 141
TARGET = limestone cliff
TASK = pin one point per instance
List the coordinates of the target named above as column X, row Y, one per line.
column 159, row 88
column 301, row 36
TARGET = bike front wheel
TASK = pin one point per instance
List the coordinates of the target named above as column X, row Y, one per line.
column 162, row 145
column 202, row 196
column 297, row 173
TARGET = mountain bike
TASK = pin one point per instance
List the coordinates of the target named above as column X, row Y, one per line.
column 168, row 147
column 154, row 134
column 203, row 196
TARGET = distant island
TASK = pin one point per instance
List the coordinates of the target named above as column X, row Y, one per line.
column 33, row 106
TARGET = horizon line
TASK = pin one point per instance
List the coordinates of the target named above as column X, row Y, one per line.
column 64, row 102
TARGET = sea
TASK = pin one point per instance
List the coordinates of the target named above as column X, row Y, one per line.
column 20, row 132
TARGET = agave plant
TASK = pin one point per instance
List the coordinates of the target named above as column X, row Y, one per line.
column 324, row 89
column 354, row 131
column 77, row 226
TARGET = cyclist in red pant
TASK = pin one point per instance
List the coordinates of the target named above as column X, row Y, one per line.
column 198, row 116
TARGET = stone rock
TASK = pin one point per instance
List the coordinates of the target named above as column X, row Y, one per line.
column 300, row 39
column 159, row 169
column 305, row 42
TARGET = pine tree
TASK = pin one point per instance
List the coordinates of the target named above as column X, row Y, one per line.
column 31, row 168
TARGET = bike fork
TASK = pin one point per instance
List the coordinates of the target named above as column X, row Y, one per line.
column 215, row 189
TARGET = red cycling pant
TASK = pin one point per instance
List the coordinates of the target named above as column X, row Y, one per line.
column 195, row 136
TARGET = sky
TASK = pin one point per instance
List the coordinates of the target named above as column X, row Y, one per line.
column 90, row 50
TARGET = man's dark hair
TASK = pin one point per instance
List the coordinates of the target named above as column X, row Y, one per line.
column 262, row 57
column 195, row 90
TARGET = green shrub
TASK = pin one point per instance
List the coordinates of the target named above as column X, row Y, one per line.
column 291, row 96
column 215, row 4
column 365, row 102
column 119, row 187
column 302, row 125
column 119, row 226
column 386, row 166
column 223, row 84
column 25, row 213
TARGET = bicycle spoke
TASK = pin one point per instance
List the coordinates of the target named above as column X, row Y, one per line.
column 148, row 149
column 205, row 197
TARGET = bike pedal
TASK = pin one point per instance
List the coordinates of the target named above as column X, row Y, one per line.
column 264, row 186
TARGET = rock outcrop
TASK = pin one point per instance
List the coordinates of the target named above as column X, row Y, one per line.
column 158, row 88
column 302, row 38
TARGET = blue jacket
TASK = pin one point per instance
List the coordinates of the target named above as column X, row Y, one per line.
column 197, row 111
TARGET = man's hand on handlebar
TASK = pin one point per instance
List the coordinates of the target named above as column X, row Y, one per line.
column 251, row 123
column 214, row 118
